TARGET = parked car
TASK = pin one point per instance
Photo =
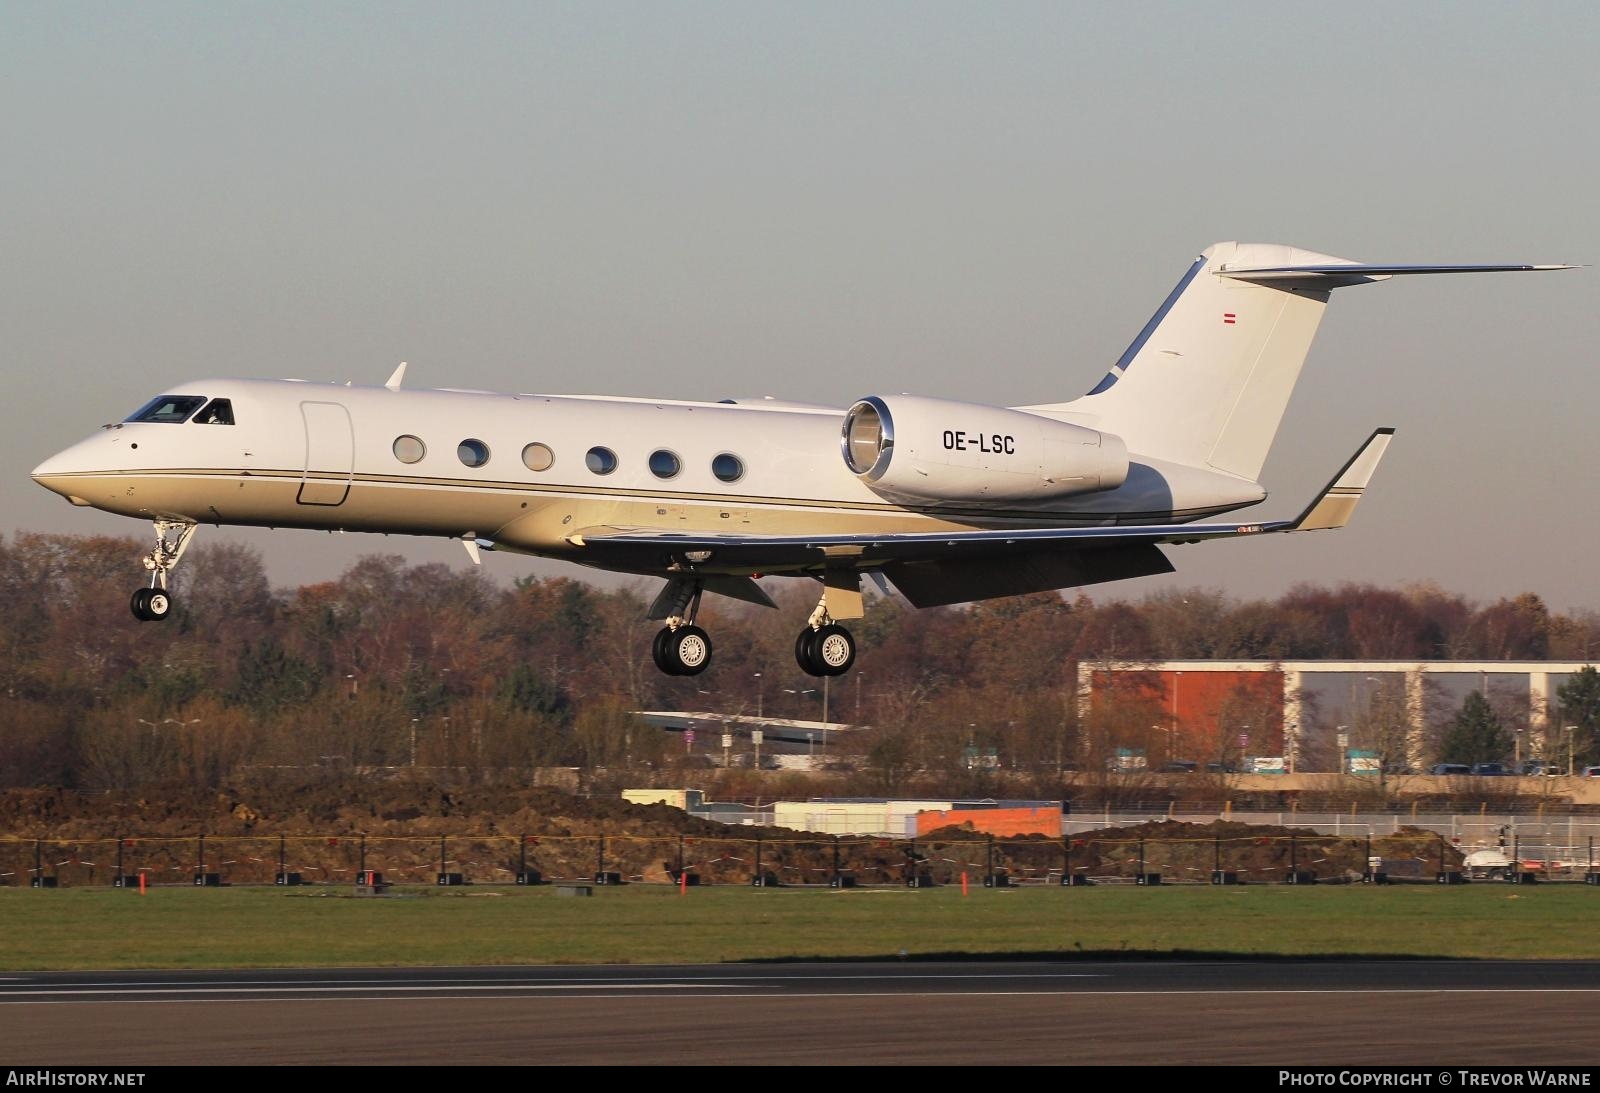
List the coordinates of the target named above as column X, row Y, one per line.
column 1591, row 772
column 1490, row 770
column 1537, row 767
column 1450, row 768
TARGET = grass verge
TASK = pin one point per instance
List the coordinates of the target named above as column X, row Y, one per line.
column 85, row 928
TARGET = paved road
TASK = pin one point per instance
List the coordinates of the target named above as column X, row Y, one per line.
column 1326, row 1012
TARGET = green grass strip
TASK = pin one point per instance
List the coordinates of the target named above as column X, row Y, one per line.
column 181, row 927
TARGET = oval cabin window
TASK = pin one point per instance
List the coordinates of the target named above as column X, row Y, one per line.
column 538, row 457
column 409, row 449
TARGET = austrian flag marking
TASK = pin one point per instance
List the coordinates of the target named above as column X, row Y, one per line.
column 1229, row 318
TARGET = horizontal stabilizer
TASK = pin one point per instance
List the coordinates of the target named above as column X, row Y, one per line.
column 1338, row 274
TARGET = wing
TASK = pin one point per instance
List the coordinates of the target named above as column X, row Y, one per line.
column 947, row 567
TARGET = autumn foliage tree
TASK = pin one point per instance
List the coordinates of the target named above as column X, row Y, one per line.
column 395, row 667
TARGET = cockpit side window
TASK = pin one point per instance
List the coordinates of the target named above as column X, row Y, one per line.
column 220, row 412
column 168, row 409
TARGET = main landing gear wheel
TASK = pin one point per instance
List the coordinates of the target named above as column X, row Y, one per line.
column 151, row 604
column 685, row 651
column 826, row 651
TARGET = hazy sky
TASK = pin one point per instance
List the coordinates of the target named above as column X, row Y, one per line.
column 821, row 202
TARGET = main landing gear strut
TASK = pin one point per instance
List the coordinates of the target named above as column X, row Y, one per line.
column 681, row 648
column 154, row 603
column 824, row 648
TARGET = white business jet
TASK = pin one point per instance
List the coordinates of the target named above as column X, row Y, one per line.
column 949, row 501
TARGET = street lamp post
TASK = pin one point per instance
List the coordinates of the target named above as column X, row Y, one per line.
column 760, row 692
column 825, row 681
column 1571, row 729
column 1343, row 740
column 1177, row 677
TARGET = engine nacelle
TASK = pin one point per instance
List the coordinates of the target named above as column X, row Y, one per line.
column 925, row 449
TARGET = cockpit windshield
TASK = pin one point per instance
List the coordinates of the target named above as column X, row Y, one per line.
column 220, row 412
column 168, row 409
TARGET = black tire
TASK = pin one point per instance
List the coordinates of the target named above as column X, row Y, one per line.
column 658, row 651
column 689, row 650
column 139, row 604
column 833, row 650
column 805, row 652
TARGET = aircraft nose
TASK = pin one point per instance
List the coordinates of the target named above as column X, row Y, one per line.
column 58, row 473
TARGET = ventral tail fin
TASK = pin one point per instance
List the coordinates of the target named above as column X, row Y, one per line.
column 1206, row 382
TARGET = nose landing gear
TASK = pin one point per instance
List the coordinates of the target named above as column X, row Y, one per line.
column 155, row 603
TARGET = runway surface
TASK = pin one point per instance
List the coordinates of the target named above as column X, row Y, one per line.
column 980, row 1013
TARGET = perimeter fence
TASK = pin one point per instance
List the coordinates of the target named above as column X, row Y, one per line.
column 837, row 861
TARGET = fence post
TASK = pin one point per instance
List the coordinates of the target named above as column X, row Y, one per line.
column 989, row 863
column 600, row 858
column 363, row 853
column 759, row 879
column 118, row 880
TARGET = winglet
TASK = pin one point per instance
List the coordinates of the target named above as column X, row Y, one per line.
column 399, row 375
column 1333, row 508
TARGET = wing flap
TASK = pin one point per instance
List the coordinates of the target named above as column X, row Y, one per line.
column 936, row 584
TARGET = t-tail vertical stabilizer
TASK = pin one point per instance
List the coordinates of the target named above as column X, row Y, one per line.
column 1207, row 380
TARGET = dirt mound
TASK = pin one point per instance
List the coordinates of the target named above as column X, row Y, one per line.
column 342, row 810
column 1253, row 852
column 414, row 831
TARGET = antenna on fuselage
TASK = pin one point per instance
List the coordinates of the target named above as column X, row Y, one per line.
column 394, row 380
